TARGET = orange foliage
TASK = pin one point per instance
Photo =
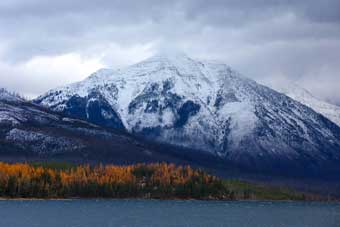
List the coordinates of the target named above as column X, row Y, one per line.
column 141, row 180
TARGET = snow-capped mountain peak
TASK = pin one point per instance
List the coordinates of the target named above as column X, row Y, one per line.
column 200, row 105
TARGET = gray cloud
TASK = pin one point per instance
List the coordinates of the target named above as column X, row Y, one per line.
column 299, row 40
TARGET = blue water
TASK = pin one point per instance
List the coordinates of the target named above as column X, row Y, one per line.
column 105, row 213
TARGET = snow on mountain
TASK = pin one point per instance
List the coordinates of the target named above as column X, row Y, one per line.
column 8, row 96
column 5, row 114
column 202, row 105
column 30, row 131
column 293, row 90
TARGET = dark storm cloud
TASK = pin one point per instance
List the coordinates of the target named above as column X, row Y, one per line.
column 264, row 39
column 49, row 27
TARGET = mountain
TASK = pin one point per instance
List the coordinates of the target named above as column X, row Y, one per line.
column 31, row 132
column 206, row 106
column 296, row 92
column 8, row 96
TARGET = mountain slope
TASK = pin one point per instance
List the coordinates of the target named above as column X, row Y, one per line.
column 206, row 106
column 31, row 132
column 332, row 112
column 8, row 96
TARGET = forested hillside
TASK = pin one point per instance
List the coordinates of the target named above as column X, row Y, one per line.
column 160, row 180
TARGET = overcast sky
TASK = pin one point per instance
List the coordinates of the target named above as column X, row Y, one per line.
column 44, row 44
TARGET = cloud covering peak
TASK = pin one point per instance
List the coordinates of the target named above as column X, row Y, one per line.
column 265, row 40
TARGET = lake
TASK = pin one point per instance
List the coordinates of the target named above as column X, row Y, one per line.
column 148, row 213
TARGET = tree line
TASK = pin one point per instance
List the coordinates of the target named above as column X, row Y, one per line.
column 159, row 181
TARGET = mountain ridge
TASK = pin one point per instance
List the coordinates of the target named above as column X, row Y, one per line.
column 300, row 94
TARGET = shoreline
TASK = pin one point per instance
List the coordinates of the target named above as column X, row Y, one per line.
column 162, row 199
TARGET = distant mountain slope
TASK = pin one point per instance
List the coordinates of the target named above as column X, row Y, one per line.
column 8, row 96
column 296, row 92
column 205, row 106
